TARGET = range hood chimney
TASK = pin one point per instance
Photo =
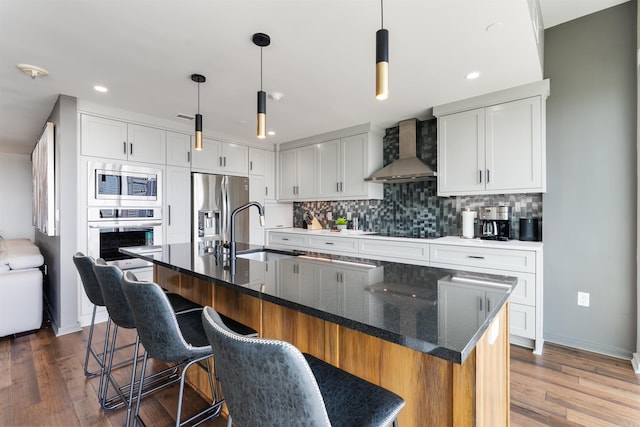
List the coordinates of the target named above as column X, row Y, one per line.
column 408, row 167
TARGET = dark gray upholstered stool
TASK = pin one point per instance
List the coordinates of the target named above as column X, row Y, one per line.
column 109, row 278
column 172, row 338
column 271, row 383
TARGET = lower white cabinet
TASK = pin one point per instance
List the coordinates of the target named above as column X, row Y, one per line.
column 522, row 260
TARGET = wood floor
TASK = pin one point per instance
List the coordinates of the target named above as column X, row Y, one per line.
column 42, row 384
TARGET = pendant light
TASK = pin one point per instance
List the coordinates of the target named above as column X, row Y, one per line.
column 382, row 58
column 198, row 78
column 262, row 40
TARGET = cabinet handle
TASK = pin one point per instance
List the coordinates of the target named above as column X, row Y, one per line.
column 480, row 176
column 131, row 148
column 285, row 238
column 480, row 301
column 250, row 165
column 488, row 305
column 488, row 176
column 338, row 187
column 169, row 213
column 188, row 156
column 124, row 147
column 220, row 161
column 225, row 162
column 328, row 243
column 266, row 191
column 341, row 186
column 475, row 257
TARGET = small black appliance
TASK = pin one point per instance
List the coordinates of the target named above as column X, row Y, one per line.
column 529, row 229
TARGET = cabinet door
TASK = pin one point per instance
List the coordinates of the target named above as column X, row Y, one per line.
column 514, row 155
column 257, row 161
column 269, row 176
column 178, row 149
column 461, row 154
column 459, row 307
column 331, row 290
column 256, row 193
column 288, row 173
column 306, row 172
column 104, row 138
column 329, row 169
column 354, row 157
column 235, row 159
column 147, row 144
column 209, row 158
column 178, row 197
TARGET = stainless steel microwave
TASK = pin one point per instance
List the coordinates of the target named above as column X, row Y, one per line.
column 117, row 183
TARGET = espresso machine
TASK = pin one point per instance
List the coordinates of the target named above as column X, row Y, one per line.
column 494, row 222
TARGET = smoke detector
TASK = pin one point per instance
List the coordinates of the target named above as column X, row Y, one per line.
column 32, row 70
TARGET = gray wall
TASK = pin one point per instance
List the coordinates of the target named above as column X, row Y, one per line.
column 16, row 192
column 61, row 289
column 590, row 204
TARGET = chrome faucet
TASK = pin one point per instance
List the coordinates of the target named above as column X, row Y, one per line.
column 232, row 243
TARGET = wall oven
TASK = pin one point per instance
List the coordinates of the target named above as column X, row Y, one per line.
column 113, row 228
column 123, row 185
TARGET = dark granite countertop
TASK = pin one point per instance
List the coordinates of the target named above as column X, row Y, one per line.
column 436, row 311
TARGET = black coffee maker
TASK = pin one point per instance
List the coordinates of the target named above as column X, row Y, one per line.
column 494, row 222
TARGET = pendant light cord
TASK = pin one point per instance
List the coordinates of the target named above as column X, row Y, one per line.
column 261, row 68
column 198, row 97
column 381, row 13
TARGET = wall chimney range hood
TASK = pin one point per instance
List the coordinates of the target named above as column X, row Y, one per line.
column 408, row 167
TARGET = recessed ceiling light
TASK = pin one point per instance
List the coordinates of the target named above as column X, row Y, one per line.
column 101, row 89
column 32, row 70
column 271, row 133
column 472, row 75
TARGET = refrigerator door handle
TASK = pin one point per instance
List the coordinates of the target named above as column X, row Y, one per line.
column 225, row 207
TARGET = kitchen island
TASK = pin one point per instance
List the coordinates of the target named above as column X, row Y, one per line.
column 436, row 337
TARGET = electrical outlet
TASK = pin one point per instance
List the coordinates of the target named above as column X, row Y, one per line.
column 348, row 216
column 583, row 299
column 330, row 216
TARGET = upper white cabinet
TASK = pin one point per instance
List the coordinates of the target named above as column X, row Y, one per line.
column 262, row 163
column 221, row 157
column 341, row 165
column 298, row 174
column 118, row 140
column 496, row 148
column 178, row 149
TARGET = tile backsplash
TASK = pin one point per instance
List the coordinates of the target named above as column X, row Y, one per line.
column 414, row 208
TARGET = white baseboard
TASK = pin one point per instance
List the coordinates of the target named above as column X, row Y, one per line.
column 594, row 348
column 636, row 363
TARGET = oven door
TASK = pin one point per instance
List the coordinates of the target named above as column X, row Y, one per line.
column 106, row 237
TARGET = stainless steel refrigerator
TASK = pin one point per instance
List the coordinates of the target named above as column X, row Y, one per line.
column 213, row 198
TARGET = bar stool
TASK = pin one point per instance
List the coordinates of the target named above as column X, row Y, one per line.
column 109, row 278
column 270, row 383
column 172, row 338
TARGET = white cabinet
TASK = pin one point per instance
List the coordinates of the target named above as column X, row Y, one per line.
column 298, row 173
column 390, row 250
column 525, row 308
column 113, row 139
column 178, row 205
column 178, row 149
column 262, row 163
column 334, row 245
column 221, row 157
column 341, row 165
column 495, row 149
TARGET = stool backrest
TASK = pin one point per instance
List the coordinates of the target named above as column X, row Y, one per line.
column 155, row 320
column 264, row 382
column 110, row 280
column 84, row 265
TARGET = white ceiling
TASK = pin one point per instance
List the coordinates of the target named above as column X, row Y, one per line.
column 322, row 57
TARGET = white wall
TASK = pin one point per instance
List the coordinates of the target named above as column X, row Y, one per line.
column 16, row 192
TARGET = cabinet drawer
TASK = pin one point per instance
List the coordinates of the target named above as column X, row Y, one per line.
column 287, row 239
column 522, row 320
column 333, row 244
column 391, row 249
column 525, row 292
column 497, row 259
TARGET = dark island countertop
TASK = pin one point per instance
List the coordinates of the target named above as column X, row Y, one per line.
column 436, row 311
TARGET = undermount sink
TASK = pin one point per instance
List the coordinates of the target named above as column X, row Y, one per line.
column 265, row 256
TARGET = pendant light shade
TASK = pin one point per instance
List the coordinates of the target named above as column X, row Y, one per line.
column 382, row 59
column 198, row 78
column 261, row 40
